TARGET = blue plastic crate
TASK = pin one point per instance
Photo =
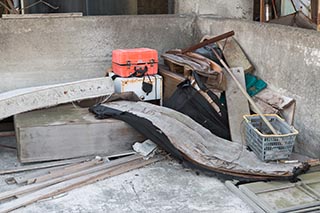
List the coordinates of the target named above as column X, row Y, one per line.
column 266, row 145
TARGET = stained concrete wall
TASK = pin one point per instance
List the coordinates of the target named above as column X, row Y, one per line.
column 45, row 51
column 289, row 59
column 242, row 9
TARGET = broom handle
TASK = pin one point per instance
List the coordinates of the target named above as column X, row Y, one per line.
column 246, row 94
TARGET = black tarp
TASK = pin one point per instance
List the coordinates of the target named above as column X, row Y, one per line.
column 189, row 101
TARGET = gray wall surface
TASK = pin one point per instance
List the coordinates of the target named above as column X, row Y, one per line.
column 37, row 52
column 242, row 9
column 46, row 51
column 287, row 58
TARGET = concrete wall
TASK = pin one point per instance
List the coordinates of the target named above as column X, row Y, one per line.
column 289, row 59
column 242, row 9
column 45, row 51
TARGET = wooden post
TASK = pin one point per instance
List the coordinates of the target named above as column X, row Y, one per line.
column 262, row 11
column 246, row 95
column 315, row 11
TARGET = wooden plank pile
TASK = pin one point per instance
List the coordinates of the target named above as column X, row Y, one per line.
column 61, row 180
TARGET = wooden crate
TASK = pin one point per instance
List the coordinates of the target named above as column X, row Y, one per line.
column 67, row 131
column 170, row 81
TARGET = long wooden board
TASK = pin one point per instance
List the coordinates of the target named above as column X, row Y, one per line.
column 41, row 166
column 74, row 183
column 66, row 131
column 23, row 100
column 33, row 187
column 237, row 104
column 204, row 150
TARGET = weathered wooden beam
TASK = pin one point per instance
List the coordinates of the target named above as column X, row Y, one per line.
column 23, row 100
column 66, row 131
column 41, row 166
column 237, row 103
column 210, row 41
column 75, row 183
column 203, row 149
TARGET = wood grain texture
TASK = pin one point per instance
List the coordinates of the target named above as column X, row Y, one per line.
column 234, row 55
column 237, row 103
column 23, row 100
column 170, row 81
column 66, row 131
column 76, row 182
column 202, row 147
column 41, row 166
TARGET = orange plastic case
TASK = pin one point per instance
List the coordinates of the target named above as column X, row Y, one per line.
column 135, row 62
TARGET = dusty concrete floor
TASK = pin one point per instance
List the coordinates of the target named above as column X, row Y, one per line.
column 162, row 187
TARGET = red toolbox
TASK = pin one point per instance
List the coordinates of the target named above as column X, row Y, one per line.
column 135, row 62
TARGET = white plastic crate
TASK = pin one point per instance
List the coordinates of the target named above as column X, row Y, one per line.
column 134, row 84
column 263, row 143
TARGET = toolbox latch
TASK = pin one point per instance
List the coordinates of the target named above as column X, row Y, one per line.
column 151, row 62
column 128, row 64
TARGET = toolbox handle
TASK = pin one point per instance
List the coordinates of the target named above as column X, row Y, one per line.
column 139, row 72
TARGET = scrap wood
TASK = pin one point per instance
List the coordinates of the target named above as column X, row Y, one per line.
column 8, row 147
column 36, row 186
column 7, row 134
column 194, row 145
column 285, row 105
column 182, row 61
column 27, row 99
column 210, row 41
column 237, row 105
column 65, row 171
column 234, row 54
column 170, row 81
column 213, row 65
column 212, row 78
column 42, row 166
column 77, row 182
column 32, row 177
column 244, row 92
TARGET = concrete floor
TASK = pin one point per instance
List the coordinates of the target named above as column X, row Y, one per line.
column 162, row 187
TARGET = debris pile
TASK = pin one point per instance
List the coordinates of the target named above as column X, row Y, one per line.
column 194, row 108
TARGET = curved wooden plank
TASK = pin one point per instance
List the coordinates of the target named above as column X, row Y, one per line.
column 204, row 149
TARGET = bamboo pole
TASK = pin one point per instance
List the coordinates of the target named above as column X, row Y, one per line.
column 246, row 94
